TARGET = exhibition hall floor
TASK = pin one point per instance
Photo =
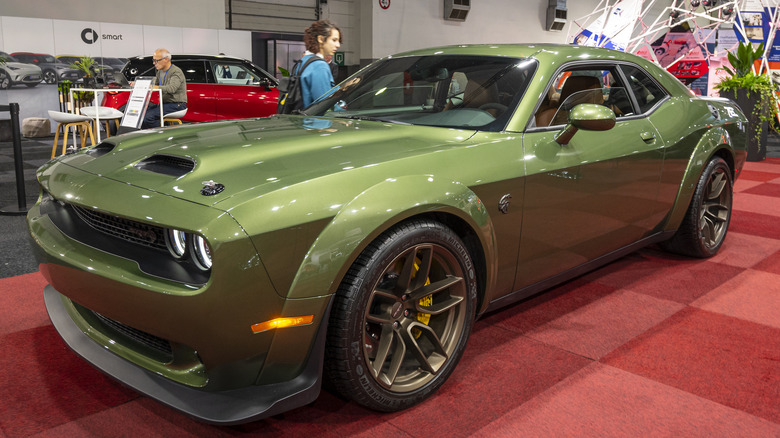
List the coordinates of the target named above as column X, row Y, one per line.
column 650, row 345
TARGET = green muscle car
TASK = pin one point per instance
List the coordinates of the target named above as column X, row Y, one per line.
column 228, row 269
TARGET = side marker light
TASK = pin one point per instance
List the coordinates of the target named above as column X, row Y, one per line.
column 285, row 322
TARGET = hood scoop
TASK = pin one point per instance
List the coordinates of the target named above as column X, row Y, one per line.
column 167, row 165
column 101, row 149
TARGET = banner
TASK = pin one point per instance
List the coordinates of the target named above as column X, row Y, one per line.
column 613, row 29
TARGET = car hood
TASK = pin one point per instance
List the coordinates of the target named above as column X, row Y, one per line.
column 23, row 66
column 254, row 154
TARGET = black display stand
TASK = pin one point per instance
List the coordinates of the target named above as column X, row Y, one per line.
column 21, row 207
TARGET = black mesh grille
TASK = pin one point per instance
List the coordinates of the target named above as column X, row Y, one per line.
column 131, row 231
column 155, row 343
column 167, row 165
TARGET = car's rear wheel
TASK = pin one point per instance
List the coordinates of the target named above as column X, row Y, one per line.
column 5, row 81
column 402, row 316
column 706, row 222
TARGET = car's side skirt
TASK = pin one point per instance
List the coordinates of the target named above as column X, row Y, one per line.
column 543, row 285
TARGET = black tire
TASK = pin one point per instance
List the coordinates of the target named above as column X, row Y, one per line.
column 384, row 351
column 50, row 77
column 706, row 222
column 5, row 81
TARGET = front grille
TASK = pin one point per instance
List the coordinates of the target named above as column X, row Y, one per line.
column 155, row 343
column 125, row 229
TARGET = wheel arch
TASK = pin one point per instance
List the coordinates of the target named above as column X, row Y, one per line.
column 714, row 143
column 383, row 206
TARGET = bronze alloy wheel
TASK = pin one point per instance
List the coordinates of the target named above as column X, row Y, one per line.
column 407, row 307
column 704, row 227
column 715, row 210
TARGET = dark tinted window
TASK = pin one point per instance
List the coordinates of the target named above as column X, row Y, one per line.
column 194, row 71
column 647, row 92
column 595, row 85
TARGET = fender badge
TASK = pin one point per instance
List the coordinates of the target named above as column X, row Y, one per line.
column 503, row 203
column 211, row 188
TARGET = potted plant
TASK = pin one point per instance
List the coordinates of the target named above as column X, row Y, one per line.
column 5, row 81
column 753, row 93
column 87, row 66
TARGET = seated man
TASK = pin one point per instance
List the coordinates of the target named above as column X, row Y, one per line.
column 171, row 81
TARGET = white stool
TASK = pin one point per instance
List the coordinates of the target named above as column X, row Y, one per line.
column 174, row 117
column 78, row 122
column 104, row 114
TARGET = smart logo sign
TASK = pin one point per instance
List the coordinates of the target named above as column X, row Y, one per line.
column 89, row 36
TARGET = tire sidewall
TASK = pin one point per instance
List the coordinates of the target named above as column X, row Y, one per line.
column 372, row 394
column 698, row 203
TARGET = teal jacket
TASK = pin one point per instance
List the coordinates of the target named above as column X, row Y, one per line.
column 316, row 80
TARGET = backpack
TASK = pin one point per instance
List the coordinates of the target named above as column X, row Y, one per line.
column 290, row 94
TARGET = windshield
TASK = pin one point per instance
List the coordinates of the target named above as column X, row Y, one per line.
column 455, row 91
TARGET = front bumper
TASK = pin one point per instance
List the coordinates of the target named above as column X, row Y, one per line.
column 223, row 407
column 26, row 77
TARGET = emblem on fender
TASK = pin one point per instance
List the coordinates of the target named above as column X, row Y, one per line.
column 503, row 203
column 211, row 188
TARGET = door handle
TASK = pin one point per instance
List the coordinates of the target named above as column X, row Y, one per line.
column 648, row 137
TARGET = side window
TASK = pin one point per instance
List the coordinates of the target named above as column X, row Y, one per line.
column 234, row 74
column 194, row 71
column 570, row 88
column 646, row 91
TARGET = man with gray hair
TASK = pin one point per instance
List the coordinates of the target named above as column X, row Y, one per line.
column 171, row 80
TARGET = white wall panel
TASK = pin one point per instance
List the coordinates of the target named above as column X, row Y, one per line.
column 413, row 24
column 121, row 40
column 235, row 43
column 199, row 41
column 27, row 35
column 156, row 37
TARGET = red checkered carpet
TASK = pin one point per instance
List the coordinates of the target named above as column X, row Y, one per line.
column 651, row 345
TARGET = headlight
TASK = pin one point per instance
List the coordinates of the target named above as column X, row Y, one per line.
column 188, row 247
column 177, row 242
column 202, row 252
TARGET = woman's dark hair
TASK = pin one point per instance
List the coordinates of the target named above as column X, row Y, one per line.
column 323, row 28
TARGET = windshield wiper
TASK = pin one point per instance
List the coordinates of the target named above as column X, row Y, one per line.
column 372, row 119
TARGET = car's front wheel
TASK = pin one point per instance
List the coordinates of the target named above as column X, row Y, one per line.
column 706, row 222
column 402, row 316
column 50, row 77
column 5, row 81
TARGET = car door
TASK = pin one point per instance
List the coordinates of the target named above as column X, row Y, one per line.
column 597, row 193
column 201, row 95
column 243, row 92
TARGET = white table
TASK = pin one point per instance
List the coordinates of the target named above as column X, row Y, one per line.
column 96, row 91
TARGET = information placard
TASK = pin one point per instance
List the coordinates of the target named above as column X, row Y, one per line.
column 138, row 102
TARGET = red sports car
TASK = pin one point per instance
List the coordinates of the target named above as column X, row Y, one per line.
column 218, row 87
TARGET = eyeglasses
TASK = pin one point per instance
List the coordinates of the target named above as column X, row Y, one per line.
column 155, row 61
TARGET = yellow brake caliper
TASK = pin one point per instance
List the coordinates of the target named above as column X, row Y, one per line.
column 426, row 301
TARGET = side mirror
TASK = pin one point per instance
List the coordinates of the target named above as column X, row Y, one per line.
column 588, row 116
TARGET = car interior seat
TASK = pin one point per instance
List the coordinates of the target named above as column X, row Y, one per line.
column 574, row 84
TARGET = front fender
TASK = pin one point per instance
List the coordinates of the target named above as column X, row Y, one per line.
column 715, row 140
column 377, row 209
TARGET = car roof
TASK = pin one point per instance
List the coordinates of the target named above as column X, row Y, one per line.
column 31, row 53
column 195, row 55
